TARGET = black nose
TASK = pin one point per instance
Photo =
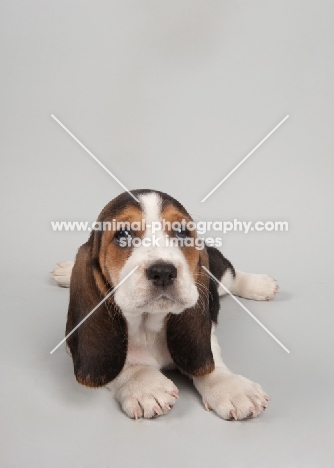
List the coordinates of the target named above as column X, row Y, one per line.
column 162, row 274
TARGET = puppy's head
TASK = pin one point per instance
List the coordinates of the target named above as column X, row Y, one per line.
column 150, row 237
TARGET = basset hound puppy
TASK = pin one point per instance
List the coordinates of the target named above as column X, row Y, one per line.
column 163, row 316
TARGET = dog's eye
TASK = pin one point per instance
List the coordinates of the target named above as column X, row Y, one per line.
column 122, row 236
column 181, row 233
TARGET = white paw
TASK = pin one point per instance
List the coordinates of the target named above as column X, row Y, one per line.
column 235, row 397
column 259, row 287
column 147, row 394
column 62, row 273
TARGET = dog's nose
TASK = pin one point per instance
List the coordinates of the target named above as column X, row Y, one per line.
column 162, row 274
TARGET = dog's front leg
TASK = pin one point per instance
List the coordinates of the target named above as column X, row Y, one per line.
column 143, row 391
column 231, row 396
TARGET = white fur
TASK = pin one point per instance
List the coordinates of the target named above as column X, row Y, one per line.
column 231, row 396
column 62, row 273
column 254, row 286
column 227, row 280
column 249, row 285
column 143, row 391
column 146, row 314
column 147, row 341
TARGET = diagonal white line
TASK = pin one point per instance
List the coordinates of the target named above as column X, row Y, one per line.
column 96, row 307
column 246, row 157
column 245, row 308
column 94, row 157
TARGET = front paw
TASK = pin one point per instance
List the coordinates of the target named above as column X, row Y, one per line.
column 148, row 394
column 235, row 397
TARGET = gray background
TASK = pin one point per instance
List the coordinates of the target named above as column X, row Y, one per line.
column 169, row 95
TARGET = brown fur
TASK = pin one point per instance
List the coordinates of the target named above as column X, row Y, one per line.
column 112, row 257
column 99, row 346
column 172, row 214
column 189, row 334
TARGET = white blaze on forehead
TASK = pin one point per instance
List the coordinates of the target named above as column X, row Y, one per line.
column 151, row 204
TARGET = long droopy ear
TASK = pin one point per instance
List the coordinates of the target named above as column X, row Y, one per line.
column 99, row 345
column 218, row 266
column 189, row 333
